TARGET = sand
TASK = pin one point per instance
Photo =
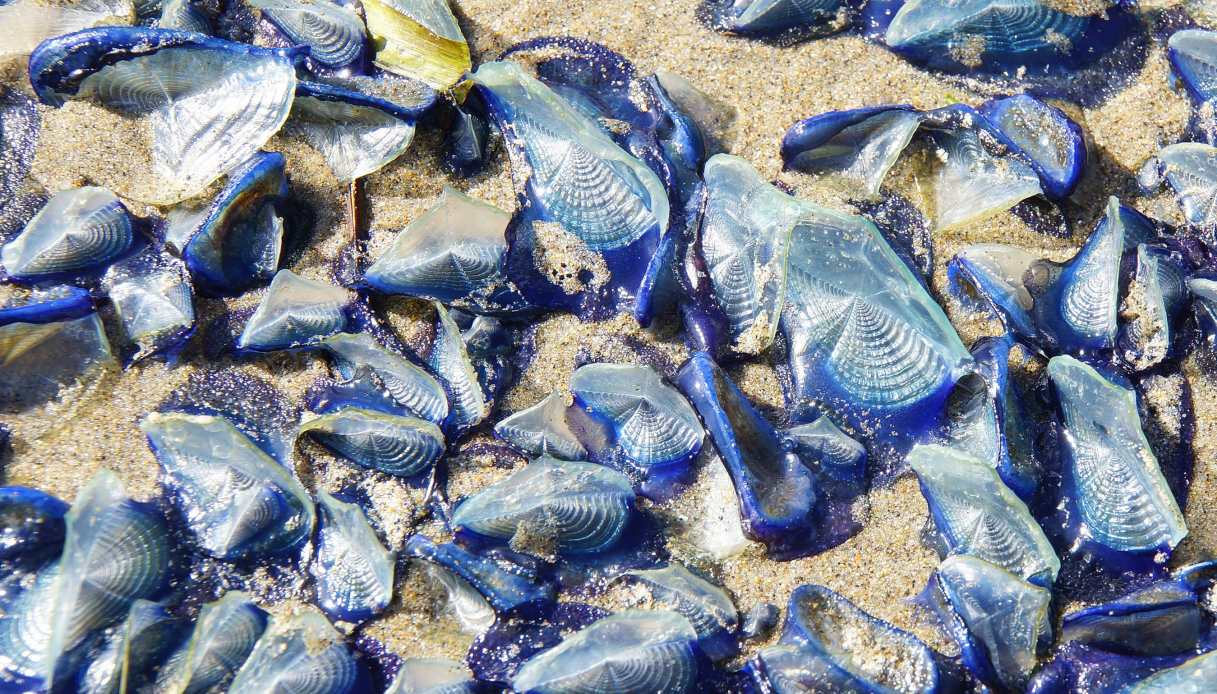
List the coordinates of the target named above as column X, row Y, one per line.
column 769, row 88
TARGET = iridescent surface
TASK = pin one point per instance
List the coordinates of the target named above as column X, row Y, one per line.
column 580, row 177
column 78, row 229
column 863, row 335
column 334, row 33
column 630, row 652
column 115, row 552
column 707, row 607
column 1191, row 170
column 979, row 516
column 998, row 35
column 651, row 421
column 860, row 144
column 295, row 312
column 50, row 346
column 403, row 446
column 809, row 424
column 1123, row 502
column 354, row 571
column 235, row 241
column 236, row 499
column 543, row 429
column 357, row 135
column 572, row 507
column 360, row 361
column 453, row 253
column 745, row 240
column 300, row 653
column 468, row 403
column 223, row 637
column 209, row 104
column 973, row 184
column 1006, row 618
column 154, row 301
column 432, row 676
column 28, row 22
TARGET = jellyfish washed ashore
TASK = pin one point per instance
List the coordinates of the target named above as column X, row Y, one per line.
column 766, row 347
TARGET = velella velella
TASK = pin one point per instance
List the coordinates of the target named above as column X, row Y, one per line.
column 1167, row 617
column 235, row 241
column 977, row 515
column 31, row 22
column 79, row 229
column 223, row 637
column 1121, row 503
column 818, row 349
column 1078, row 667
column 631, row 652
column 1203, row 292
column 211, row 104
column 972, row 184
column 793, row 19
column 154, row 301
column 1191, row 170
column 562, row 161
column 207, row 459
column 1080, row 306
column 354, row 572
column 466, row 146
column 31, row 523
column 745, row 238
column 828, row 642
column 999, row 36
column 864, row 338
column 987, row 155
column 131, row 653
column 647, row 121
column 50, row 343
column 362, row 362
column 985, row 418
column 707, row 607
column 654, row 429
column 993, row 276
column 1053, row 143
column 357, row 133
column 1156, row 296
column 432, row 676
column 1192, row 52
column 453, row 253
column 302, row 652
column 838, row 459
column 563, row 506
column 777, row 494
column 1071, row 306
column 333, row 32
column 115, row 551
column 544, row 429
column 500, row 585
column 1000, row 621
column 450, row 360
column 389, row 443
column 295, row 312
column 183, row 15
column 859, row 144
column 418, row 39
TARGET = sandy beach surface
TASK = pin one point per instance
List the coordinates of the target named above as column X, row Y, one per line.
column 769, row 88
